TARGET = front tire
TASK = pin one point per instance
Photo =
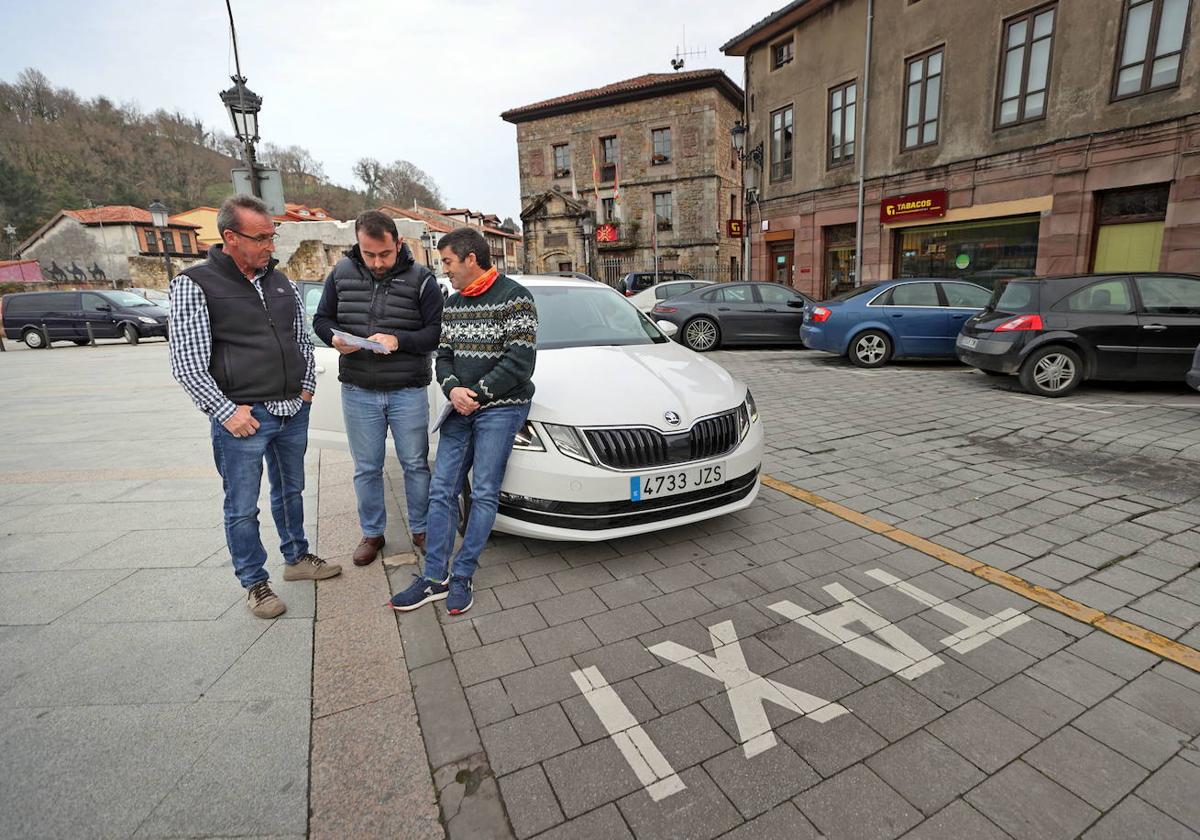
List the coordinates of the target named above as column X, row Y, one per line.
column 1052, row 372
column 870, row 349
column 33, row 339
column 702, row 335
column 130, row 334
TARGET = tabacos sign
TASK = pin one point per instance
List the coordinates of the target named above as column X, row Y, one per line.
column 922, row 205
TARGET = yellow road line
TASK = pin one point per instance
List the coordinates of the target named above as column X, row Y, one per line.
column 1155, row 643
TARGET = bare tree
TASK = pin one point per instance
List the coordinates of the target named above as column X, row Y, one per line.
column 370, row 172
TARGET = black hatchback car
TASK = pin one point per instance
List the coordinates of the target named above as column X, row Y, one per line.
column 1055, row 332
column 67, row 316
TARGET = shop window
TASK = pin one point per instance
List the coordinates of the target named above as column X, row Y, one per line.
column 660, row 139
column 1130, row 227
column 1025, row 67
column 842, row 110
column 562, row 160
column 781, row 144
column 922, row 99
column 981, row 252
column 1151, row 49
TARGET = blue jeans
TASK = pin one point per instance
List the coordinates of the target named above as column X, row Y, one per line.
column 478, row 443
column 281, row 442
column 369, row 414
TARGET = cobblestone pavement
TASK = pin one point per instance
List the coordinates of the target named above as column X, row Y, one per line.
column 786, row 673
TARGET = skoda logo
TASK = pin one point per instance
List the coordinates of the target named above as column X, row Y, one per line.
column 672, row 418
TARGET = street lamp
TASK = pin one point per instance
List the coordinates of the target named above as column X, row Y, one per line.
column 749, row 182
column 11, row 233
column 588, row 224
column 243, row 106
column 161, row 220
column 429, row 240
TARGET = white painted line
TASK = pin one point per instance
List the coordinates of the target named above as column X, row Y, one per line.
column 1058, row 404
column 902, row 654
column 747, row 691
column 976, row 630
column 645, row 759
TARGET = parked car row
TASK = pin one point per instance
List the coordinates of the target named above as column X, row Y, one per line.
column 1053, row 333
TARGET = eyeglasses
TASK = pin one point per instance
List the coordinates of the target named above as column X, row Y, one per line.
column 261, row 239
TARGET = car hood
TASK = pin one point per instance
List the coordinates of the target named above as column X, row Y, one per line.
column 631, row 385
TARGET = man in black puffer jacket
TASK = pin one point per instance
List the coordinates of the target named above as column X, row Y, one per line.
column 377, row 291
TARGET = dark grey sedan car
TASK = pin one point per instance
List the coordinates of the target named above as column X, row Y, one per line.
column 735, row 313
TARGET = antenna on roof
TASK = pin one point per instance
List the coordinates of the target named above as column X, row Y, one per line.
column 681, row 55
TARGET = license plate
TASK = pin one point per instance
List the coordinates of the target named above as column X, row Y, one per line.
column 644, row 487
column 969, row 343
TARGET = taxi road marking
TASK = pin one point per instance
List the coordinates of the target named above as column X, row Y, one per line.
column 1157, row 644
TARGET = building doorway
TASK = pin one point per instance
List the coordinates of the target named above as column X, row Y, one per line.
column 839, row 259
column 1129, row 229
column 779, row 255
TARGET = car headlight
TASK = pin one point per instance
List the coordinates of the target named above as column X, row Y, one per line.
column 569, row 442
column 146, row 320
column 747, row 414
column 527, row 440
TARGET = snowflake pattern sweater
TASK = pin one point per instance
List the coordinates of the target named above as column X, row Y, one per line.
column 489, row 344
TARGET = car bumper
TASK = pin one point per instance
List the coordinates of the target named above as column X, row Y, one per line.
column 1002, row 355
column 546, row 495
column 151, row 330
column 817, row 338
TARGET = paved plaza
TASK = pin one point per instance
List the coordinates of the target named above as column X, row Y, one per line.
column 821, row 664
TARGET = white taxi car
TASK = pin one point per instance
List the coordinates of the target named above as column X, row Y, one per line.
column 629, row 432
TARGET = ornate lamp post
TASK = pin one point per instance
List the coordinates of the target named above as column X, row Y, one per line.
column 243, row 106
column 429, row 240
column 160, row 219
column 588, row 224
column 749, row 183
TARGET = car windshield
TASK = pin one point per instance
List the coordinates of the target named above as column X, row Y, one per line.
column 128, row 299
column 1014, row 297
column 574, row 316
column 855, row 292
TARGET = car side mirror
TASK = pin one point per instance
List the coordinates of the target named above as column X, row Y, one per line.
column 796, row 304
column 104, row 307
column 668, row 329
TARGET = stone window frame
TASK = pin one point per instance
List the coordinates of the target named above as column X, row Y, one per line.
column 608, row 165
column 660, row 153
column 664, row 221
column 835, row 153
column 1027, row 44
column 780, row 57
column 922, row 84
column 561, row 172
column 1149, row 58
column 783, row 152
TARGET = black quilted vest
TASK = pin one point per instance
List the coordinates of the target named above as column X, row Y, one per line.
column 255, row 357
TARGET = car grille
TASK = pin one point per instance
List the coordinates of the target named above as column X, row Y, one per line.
column 631, row 449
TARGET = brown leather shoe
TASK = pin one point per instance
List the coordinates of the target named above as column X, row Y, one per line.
column 368, row 550
column 418, row 541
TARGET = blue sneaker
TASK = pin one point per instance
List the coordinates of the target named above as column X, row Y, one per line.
column 460, row 599
column 422, row 591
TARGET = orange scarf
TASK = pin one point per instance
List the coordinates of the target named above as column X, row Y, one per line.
column 481, row 283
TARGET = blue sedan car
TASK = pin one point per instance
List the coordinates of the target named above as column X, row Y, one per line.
column 910, row 318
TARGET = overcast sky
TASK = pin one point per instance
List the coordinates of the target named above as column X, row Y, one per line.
column 420, row 80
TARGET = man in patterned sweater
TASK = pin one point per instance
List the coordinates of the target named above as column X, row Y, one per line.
column 485, row 366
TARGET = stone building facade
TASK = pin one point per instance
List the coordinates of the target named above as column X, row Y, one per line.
column 664, row 169
column 111, row 245
column 1001, row 137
